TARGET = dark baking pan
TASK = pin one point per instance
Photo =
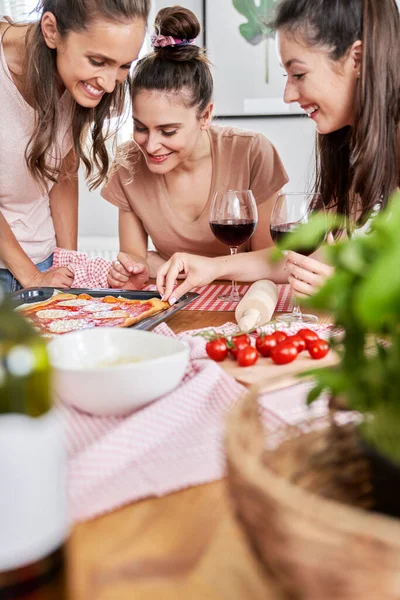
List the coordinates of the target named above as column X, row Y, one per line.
column 29, row 295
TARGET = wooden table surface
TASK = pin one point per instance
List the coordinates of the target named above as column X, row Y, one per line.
column 184, row 546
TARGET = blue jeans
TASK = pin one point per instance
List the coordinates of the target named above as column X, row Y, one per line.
column 10, row 284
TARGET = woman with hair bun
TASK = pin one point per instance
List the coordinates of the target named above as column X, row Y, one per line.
column 61, row 79
column 166, row 179
column 342, row 60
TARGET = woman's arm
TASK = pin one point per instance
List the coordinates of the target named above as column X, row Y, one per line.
column 13, row 256
column 64, row 205
column 130, row 270
column 199, row 270
column 21, row 266
column 154, row 262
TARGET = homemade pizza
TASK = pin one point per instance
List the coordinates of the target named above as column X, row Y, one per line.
column 69, row 312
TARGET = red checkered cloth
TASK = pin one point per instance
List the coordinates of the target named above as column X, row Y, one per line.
column 173, row 443
column 209, row 300
column 88, row 272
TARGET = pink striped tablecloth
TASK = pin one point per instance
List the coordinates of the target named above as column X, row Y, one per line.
column 172, row 443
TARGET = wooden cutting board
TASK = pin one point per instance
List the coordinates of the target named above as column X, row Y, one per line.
column 273, row 377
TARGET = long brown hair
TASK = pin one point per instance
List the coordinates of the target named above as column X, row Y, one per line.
column 40, row 81
column 176, row 68
column 356, row 167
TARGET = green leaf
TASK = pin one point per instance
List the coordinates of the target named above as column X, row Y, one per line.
column 315, row 393
column 307, row 235
column 378, row 296
column 255, row 30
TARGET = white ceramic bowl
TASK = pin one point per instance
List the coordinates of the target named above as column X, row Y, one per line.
column 88, row 376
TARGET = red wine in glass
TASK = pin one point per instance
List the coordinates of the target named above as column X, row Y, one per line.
column 233, row 233
column 233, row 220
column 279, row 232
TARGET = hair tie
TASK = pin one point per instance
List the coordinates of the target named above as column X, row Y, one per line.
column 161, row 41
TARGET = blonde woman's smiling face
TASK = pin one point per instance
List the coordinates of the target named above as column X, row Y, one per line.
column 325, row 89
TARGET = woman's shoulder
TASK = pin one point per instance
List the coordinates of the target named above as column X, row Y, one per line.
column 242, row 139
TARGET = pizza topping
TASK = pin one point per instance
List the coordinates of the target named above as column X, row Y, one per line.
column 53, row 314
column 77, row 302
column 67, row 325
column 96, row 307
column 110, row 299
column 110, row 314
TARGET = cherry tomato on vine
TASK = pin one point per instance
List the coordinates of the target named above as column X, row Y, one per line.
column 217, row 349
column 298, row 341
column 318, row 348
column 238, row 342
column 265, row 344
column 247, row 356
column 308, row 335
column 284, row 353
column 280, row 336
column 241, row 337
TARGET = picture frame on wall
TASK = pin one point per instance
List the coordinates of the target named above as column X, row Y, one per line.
column 248, row 79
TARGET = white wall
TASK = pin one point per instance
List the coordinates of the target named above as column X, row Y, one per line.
column 292, row 136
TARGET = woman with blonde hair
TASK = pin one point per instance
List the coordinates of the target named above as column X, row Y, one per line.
column 61, row 79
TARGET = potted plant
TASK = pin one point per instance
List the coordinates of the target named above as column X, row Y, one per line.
column 363, row 296
column 301, row 501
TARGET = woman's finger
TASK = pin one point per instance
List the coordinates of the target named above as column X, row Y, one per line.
column 180, row 291
column 167, row 274
column 117, row 267
column 301, row 287
column 125, row 261
column 304, row 275
column 310, row 264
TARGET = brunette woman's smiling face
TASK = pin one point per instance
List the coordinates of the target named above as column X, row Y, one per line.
column 92, row 62
column 325, row 89
column 167, row 131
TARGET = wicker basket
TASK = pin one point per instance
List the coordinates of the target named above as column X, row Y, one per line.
column 314, row 547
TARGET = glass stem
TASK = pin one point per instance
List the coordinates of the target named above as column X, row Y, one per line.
column 234, row 290
column 296, row 313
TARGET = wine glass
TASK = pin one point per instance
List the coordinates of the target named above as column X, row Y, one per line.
column 233, row 220
column 290, row 211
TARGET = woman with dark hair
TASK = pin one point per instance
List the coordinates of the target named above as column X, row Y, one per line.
column 178, row 159
column 342, row 60
column 61, row 79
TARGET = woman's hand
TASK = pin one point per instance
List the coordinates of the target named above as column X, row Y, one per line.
column 128, row 274
column 60, row 277
column 306, row 275
column 197, row 270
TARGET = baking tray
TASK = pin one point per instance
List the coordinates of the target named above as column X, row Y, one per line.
column 39, row 294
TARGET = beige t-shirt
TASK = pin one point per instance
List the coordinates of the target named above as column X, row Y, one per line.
column 241, row 160
column 23, row 204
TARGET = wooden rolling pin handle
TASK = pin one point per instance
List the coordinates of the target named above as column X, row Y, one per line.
column 249, row 319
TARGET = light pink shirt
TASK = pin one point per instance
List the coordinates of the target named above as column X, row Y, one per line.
column 24, row 205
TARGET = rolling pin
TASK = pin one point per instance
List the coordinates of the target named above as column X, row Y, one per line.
column 257, row 305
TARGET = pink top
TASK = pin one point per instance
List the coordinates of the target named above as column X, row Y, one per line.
column 24, row 205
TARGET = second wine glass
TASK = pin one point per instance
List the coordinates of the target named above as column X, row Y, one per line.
column 291, row 210
column 233, row 220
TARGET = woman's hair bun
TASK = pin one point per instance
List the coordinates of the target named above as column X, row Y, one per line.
column 180, row 23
